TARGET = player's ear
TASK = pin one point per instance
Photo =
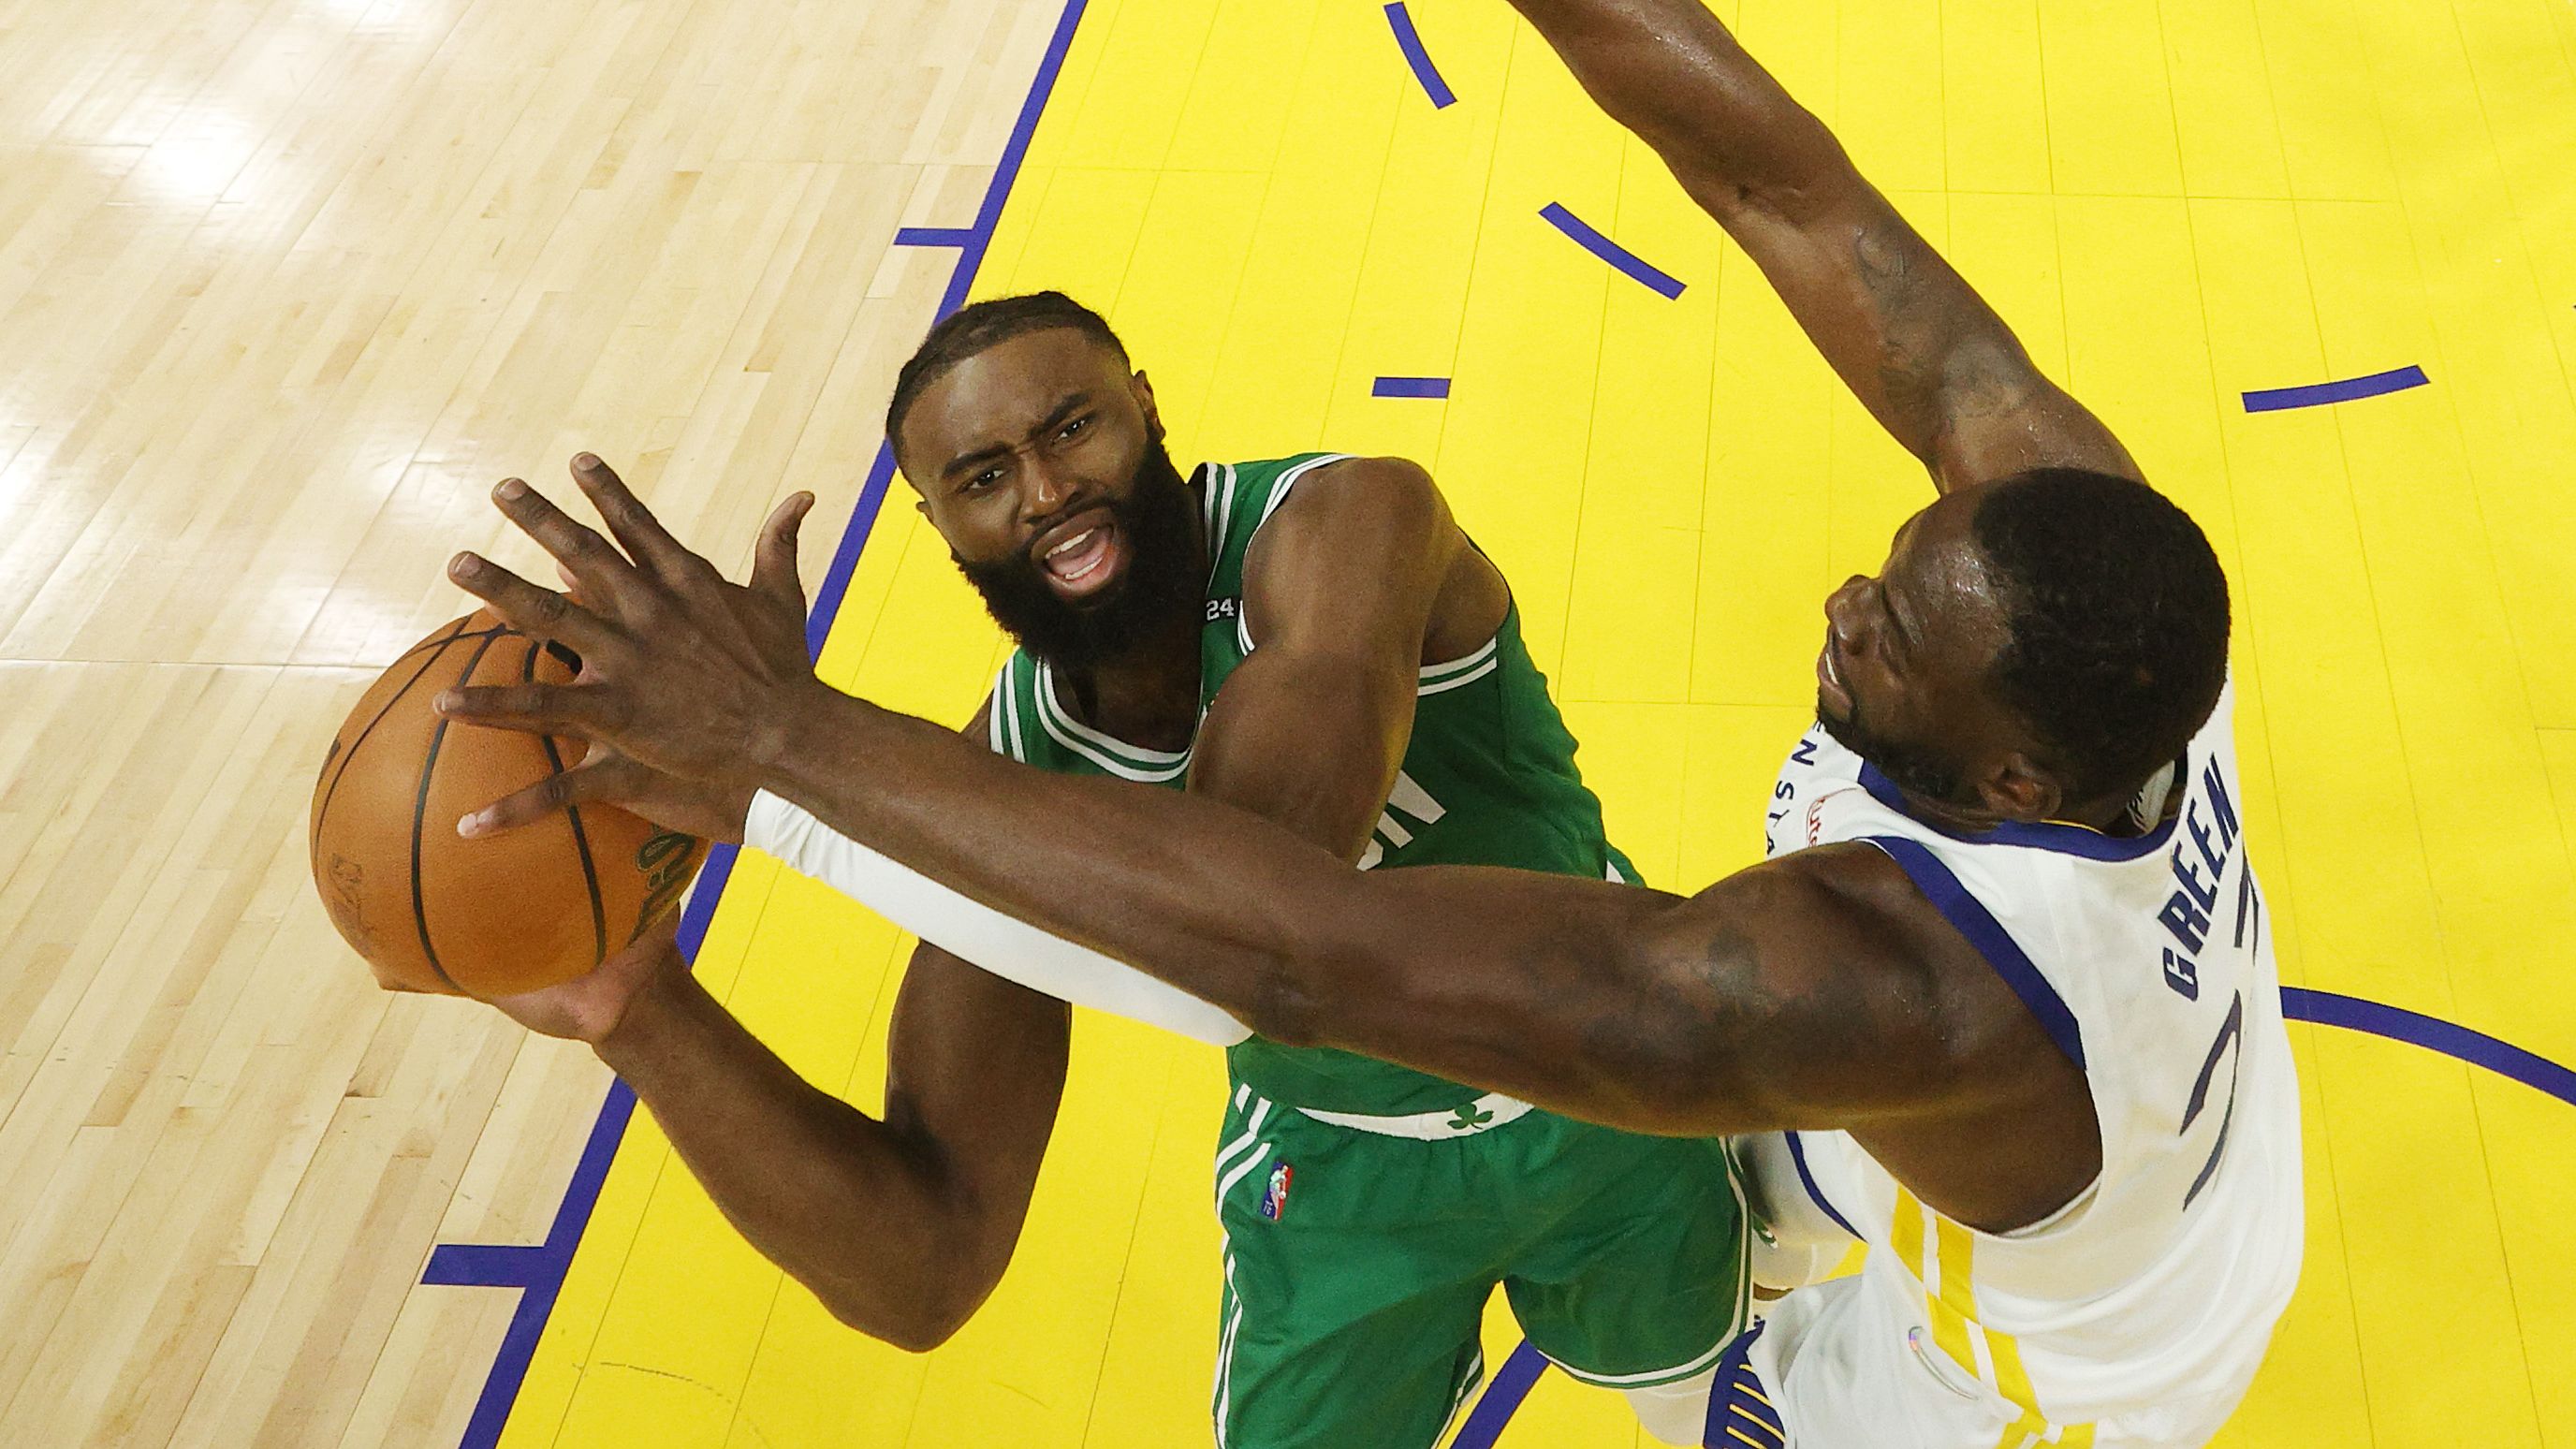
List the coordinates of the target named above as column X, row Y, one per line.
column 2018, row 789
column 920, row 495
column 1142, row 387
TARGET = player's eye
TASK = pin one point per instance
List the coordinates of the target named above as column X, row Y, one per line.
column 1891, row 641
column 1074, row 428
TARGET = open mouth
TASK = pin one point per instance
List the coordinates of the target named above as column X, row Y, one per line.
column 1081, row 558
column 1829, row 678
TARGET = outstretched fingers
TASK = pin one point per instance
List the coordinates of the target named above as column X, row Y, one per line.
column 599, row 570
column 643, row 536
column 523, row 606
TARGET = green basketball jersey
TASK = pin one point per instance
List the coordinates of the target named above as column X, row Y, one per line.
column 1488, row 777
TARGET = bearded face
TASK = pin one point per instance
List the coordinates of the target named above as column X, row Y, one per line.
column 1150, row 543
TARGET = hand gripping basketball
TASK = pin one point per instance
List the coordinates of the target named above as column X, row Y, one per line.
column 688, row 681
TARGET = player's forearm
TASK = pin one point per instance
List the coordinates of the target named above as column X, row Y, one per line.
column 1200, row 894
column 1669, row 71
column 1507, row 980
column 826, row 1192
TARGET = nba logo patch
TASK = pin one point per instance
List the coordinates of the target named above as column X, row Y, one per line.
column 1274, row 1198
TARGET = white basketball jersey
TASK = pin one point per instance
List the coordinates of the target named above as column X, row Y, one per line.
column 2137, row 1314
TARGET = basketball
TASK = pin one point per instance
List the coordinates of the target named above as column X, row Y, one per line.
column 432, row 911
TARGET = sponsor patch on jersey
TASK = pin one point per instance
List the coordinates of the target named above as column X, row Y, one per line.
column 1274, row 1198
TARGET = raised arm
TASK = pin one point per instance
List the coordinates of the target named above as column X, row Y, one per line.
column 1922, row 351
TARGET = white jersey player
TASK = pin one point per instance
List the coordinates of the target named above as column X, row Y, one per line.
column 2141, row 1309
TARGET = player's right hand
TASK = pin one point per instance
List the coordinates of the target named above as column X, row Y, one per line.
column 590, row 1006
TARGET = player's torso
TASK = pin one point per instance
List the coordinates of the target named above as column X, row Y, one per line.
column 2148, row 959
column 1488, row 776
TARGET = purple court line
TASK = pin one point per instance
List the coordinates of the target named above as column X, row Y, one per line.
column 933, row 236
column 1592, row 241
column 2318, row 394
column 1410, row 387
column 2328, row 1008
column 1521, row 1372
column 538, row 1271
column 1409, row 40
column 1501, row 1399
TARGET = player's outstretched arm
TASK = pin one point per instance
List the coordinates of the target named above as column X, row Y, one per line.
column 1923, row 352
column 1609, row 1002
column 1340, row 589
column 1785, row 996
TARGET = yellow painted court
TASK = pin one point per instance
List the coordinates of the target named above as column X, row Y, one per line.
column 2173, row 209
column 2176, row 203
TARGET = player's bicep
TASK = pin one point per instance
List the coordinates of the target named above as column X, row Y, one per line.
column 1777, row 998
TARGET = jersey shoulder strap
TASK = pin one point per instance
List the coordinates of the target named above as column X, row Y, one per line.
column 1239, row 498
column 1010, row 707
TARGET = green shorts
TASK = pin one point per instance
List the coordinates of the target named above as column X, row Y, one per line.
column 1358, row 1265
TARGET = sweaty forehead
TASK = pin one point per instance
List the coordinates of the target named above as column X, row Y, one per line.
column 1004, row 393
column 1938, row 570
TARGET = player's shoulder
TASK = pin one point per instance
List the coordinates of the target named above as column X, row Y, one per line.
column 1326, row 491
column 1267, row 484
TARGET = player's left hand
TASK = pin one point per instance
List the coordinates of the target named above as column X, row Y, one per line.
column 682, row 673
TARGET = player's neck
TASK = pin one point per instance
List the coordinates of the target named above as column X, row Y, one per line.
column 2110, row 815
column 1147, row 695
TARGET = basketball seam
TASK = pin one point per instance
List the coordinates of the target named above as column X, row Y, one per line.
column 419, row 818
column 436, row 647
column 580, row 837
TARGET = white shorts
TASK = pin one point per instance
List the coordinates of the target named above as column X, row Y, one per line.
column 1845, row 1371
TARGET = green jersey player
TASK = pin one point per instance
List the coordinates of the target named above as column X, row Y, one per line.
column 1313, row 639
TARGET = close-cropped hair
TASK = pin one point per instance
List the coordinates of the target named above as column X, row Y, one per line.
column 970, row 330
column 2118, row 616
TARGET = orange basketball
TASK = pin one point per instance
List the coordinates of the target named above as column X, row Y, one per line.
column 433, row 911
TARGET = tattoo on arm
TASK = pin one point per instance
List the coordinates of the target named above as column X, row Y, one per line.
column 1940, row 369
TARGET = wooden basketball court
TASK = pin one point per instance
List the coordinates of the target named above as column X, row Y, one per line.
column 286, row 284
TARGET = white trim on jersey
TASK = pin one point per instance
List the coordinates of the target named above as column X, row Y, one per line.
column 1251, row 1133
column 1236, row 1173
column 1153, row 767
column 995, row 704
column 1011, row 713
column 1220, row 512
column 1222, row 1400
column 1484, row 1114
column 1278, row 495
column 1441, row 678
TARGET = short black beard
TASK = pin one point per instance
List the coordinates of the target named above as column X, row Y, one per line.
column 1166, row 578
column 1909, row 768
